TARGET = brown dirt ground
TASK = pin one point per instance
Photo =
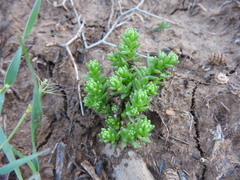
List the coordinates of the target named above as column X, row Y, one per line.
column 200, row 111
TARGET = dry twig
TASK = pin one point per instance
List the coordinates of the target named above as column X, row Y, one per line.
column 66, row 46
column 191, row 119
column 117, row 23
column 111, row 15
column 179, row 140
column 88, row 167
column 165, row 126
column 63, row 4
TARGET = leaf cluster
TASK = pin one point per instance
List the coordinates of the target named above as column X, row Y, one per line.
column 125, row 95
column 161, row 26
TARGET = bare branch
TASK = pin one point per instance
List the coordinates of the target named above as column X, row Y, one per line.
column 66, row 46
column 63, row 4
column 117, row 23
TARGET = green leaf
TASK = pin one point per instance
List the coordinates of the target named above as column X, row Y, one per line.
column 136, row 59
column 144, row 108
column 136, row 84
column 123, row 144
column 160, row 83
column 2, row 95
column 155, row 29
column 29, row 163
column 146, row 140
column 168, row 66
column 36, row 119
column 144, row 80
column 13, row 68
column 135, row 144
column 32, row 18
column 9, row 153
column 123, row 96
column 36, row 116
column 16, row 163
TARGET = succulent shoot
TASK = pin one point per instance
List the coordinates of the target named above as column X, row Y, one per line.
column 124, row 96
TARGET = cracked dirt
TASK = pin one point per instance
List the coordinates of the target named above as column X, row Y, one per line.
column 196, row 127
column 196, row 114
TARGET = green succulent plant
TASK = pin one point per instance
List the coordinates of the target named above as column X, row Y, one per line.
column 124, row 96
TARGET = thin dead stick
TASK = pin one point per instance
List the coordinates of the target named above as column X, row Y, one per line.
column 120, row 6
column 74, row 163
column 184, row 142
column 117, row 24
column 91, row 171
column 66, row 46
column 63, row 4
column 159, row 17
column 77, row 78
column 191, row 118
column 121, row 23
column 76, row 14
column 225, row 3
column 103, row 40
column 52, row 152
column 164, row 125
column 111, row 15
column 228, row 110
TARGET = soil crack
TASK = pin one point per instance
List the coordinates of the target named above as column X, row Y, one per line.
column 196, row 127
column 54, row 117
column 48, row 136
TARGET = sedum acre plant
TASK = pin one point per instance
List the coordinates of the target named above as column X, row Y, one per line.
column 125, row 95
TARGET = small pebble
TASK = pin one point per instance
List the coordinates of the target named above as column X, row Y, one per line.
column 237, row 41
column 74, row 21
column 170, row 112
column 221, row 78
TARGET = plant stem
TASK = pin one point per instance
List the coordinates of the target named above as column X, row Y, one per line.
column 4, row 88
column 28, row 111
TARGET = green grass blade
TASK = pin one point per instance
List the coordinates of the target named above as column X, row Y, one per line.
column 29, row 163
column 36, row 119
column 29, row 63
column 9, row 153
column 1, row 101
column 32, row 18
column 15, row 164
column 28, row 110
column 36, row 116
column 36, row 104
column 13, row 68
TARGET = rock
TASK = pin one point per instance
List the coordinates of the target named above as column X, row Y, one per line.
column 132, row 169
column 170, row 112
column 110, row 152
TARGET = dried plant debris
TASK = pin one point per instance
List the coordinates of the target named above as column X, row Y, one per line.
column 221, row 78
column 90, row 169
column 217, row 58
